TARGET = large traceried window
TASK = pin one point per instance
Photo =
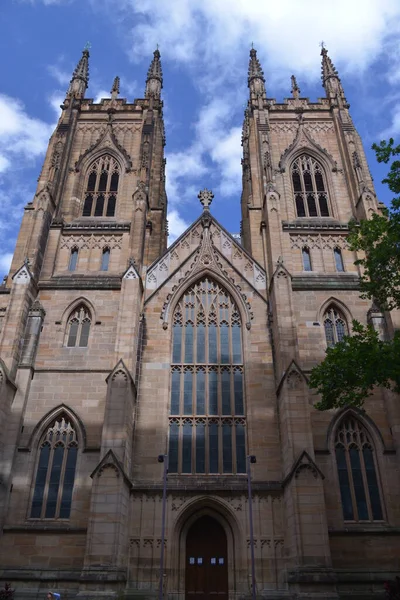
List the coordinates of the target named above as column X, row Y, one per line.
column 207, row 416
column 357, row 471
column 311, row 196
column 55, row 472
column 101, row 188
column 335, row 326
column 78, row 327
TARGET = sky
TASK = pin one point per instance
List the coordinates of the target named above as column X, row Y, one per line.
column 204, row 47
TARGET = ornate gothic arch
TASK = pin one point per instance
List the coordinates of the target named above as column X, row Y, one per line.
column 106, row 144
column 332, row 301
column 73, row 305
column 360, row 416
column 178, row 291
column 219, row 510
column 62, row 410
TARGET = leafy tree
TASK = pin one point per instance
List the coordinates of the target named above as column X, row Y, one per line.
column 354, row 366
column 7, row 593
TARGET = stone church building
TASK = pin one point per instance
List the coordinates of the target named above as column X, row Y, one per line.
column 116, row 349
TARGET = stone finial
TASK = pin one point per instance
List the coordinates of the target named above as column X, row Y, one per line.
column 115, row 88
column 206, row 197
column 295, row 88
column 154, row 81
column 80, row 76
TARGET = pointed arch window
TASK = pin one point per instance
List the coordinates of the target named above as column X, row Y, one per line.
column 55, row 472
column 207, row 411
column 102, row 188
column 78, row 327
column 335, row 326
column 357, row 472
column 309, row 187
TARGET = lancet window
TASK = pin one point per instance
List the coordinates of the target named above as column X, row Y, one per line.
column 335, row 326
column 78, row 327
column 207, row 412
column 310, row 192
column 55, row 472
column 357, row 472
column 101, row 188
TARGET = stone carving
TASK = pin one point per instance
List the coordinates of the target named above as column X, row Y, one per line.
column 22, row 276
column 92, row 241
column 131, row 273
column 178, row 502
column 293, row 379
column 206, row 197
column 319, row 241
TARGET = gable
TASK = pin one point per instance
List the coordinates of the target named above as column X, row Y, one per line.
column 189, row 244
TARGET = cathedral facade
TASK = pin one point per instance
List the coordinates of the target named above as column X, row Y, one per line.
column 116, row 349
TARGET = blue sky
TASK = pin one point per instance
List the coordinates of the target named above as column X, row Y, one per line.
column 204, row 47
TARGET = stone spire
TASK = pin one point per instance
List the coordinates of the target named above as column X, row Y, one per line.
column 154, row 81
column 256, row 80
column 115, row 88
column 295, row 88
column 331, row 80
column 80, row 77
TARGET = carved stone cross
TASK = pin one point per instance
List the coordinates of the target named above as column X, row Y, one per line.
column 206, row 197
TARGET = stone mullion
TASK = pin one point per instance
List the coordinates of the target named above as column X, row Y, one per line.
column 365, row 482
column 61, row 483
column 352, row 491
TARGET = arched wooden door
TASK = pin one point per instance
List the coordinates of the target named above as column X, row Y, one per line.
column 206, row 572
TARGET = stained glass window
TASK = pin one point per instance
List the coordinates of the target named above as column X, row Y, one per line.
column 357, row 472
column 207, row 422
column 310, row 193
column 55, row 473
column 101, row 188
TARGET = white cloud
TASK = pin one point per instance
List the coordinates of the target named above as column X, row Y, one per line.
column 394, row 128
column 100, row 95
column 176, row 224
column 214, row 34
column 5, row 262
column 20, row 134
column 62, row 77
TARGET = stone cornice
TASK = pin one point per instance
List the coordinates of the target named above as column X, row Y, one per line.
column 334, row 281
column 317, row 224
column 82, row 282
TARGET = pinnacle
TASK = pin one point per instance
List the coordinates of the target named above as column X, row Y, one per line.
column 82, row 68
column 115, row 87
column 155, row 70
column 328, row 68
column 255, row 70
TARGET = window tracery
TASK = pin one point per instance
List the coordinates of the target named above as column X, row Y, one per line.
column 357, row 472
column 207, row 412
column 55, row 472
column 78, row 327
column 101, row 188
column 335, row 326
column 310, row 192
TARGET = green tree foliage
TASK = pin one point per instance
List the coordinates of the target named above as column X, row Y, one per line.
column 353, row 367
column 7, row 593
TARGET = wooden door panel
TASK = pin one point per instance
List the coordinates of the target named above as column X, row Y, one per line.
column 206, row 561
